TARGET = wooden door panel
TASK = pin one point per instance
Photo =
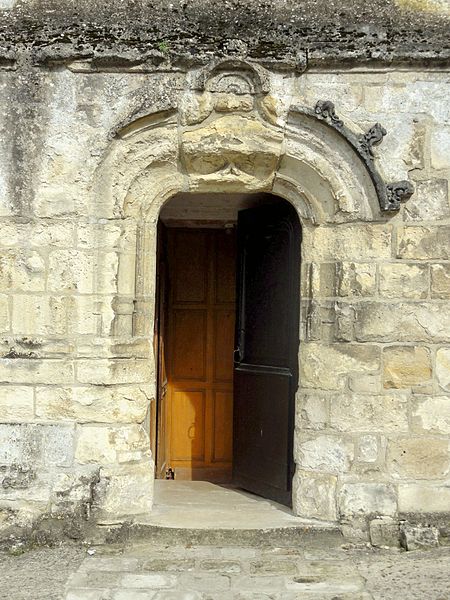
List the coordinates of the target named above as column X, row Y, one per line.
column 188, row 347
column 225, row 268
column 223, row 345
column 189, row 254
column 266, row 367
column 187, row 425
column 223, row 426
column 199, row 361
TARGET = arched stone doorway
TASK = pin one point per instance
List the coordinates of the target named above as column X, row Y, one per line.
column 231, row 134
column 227, row 326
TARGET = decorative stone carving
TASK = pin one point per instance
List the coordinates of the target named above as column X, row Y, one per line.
column 373, row 137
column 389, row 196
column 399, row 191
column 325, row 108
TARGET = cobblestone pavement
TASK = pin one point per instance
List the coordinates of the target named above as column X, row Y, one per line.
column 149, row 572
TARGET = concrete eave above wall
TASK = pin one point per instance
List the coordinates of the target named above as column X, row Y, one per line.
column 280, row 34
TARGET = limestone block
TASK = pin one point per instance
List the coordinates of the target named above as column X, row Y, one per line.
column 360, row 242
column 384, row 532
column 402, row 322
column 365, row 383
column 356, row 279
column 111, row 372
column 443, row 368
column 431, row 414
column 423, row 498
column 312, row 411
column 429, row 202
column 416, row 537
column 367, row 498
column 418, row 457
column 111, row 445
column 71, row 270
column 368, row 448
column 89, row 315
column 92, row 404
column 22, row 270
column 72, row 490
column 23, row 484
column 400, row 280
column 406, row 366
column 358, row 412
column 43, row 234
column 314, row 495
column 127, row 490
column 4, row 314
column 105, row 272
column 16, row 403
column 423, row 243
column 106, row 234
column 230, row 152
column 19, row 370
column 328, row 453
column 440, row 147
column 39, row 315
column 33, row 444
column 328, row 366
column 440, row 281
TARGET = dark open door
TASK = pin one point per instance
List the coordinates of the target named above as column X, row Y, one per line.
column 266, row 358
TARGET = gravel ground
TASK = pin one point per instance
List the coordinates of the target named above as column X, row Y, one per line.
column 39, row 574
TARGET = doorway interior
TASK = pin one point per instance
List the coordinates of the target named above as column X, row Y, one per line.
column 227, row 336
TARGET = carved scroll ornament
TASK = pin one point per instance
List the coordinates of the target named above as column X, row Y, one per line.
column 389, row 195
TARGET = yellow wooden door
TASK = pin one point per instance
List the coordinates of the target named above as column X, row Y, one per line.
column 199, row 359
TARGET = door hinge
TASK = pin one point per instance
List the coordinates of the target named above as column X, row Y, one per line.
column 170, row 473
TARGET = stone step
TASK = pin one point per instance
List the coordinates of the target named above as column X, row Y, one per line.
column 278, row 536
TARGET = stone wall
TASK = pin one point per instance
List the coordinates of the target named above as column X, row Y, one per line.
column 89, row 156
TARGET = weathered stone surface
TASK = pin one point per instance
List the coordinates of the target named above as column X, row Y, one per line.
column 419, row 457
column 327, row 453
column 356, row 279
column 368, row 448
column 126, row 490
column 384, row 532
column 110, row 372
column 16, row 403
column 71, row 270
column 431, row 414
column 313, row 411
column 440, row 143
column 4, row 314
column 32, row 444
column 315, row 495
column 367, row 498
column 40, row 315
column 111, row 445
column 21, row 370
column 358, row 412
column 406, row 366
column 423, row 498
column 92, row 404
column 328, row 366
column 443, row 368
column 440, row 281
column 402, row 280
column 424, row 243
column 416, row 537
column 347, row 243
column 402, row 322
column 430, row 202
column 22, row 270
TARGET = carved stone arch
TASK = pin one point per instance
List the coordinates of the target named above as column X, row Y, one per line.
column 229, row 147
